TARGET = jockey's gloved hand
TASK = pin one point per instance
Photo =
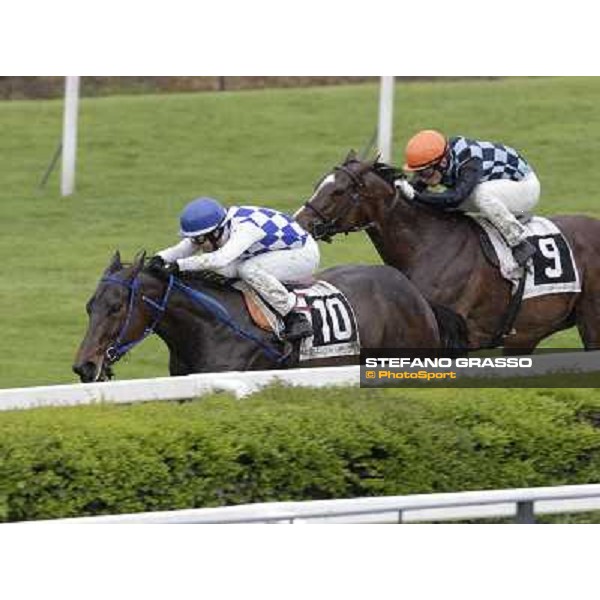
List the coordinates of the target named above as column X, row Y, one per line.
column 407, row 190
column 172, row 269
column 156, row 263
column 161, row 269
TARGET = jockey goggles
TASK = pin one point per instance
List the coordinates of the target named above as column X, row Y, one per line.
column 212, row 236
column 429, row 171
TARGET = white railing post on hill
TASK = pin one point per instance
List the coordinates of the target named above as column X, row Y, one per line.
column 69, row 143
column 386, row 118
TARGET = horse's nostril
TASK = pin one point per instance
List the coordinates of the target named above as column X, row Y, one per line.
column 86, row 371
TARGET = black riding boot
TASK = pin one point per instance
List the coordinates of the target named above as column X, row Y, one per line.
column 523, row 252
column 297, row 326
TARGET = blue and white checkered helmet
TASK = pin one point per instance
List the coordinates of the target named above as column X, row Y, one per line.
column 201, row 216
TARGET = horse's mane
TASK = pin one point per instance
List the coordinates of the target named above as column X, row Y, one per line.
column 390, row 174
column 387, row 172
column 206, row 278
column 194, row 279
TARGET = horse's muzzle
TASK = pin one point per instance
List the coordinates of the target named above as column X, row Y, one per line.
column 86, row 371
column 322, row 232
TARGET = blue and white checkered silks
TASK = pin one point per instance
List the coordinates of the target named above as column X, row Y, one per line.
column 281, row 232
column 499, row 161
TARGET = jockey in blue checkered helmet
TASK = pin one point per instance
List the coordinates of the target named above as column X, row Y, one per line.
column 264, row 247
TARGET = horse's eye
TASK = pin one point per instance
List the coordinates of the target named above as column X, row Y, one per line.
column 114, row 308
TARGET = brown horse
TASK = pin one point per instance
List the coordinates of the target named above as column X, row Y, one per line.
column 442, row 254
column 206, row 326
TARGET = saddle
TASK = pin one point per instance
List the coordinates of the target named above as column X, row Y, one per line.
column 335, row 328
column 489, row 251
column 262, row 315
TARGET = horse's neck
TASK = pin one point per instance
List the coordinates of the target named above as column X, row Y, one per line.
column 181, row 330
column 198, row 340
column 184, row 315
column 408, row 236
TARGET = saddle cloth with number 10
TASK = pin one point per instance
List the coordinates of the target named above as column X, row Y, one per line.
column 333, row 319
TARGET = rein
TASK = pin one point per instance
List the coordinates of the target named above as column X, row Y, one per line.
column 118, row 349
column 222, row 314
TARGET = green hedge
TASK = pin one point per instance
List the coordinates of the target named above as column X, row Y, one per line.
column 292, row 445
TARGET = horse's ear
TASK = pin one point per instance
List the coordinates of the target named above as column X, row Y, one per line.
column 368, row 165
column 115, row 263
column 351, row 156
column 138, row 262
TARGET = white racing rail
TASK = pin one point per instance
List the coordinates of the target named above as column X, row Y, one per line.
column 174, row 388
column 244, row 383
column 521, row 504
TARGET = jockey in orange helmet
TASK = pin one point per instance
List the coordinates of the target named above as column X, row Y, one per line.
column 484, row 177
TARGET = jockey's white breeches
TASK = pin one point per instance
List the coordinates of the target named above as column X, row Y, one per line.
column 266, row 273
column 500, row 200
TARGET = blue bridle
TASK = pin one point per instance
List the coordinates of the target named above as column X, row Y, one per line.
column 118, row 349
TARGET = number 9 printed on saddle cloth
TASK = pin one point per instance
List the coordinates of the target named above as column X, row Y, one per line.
column 264, row 247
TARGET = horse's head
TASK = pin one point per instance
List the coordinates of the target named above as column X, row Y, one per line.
column 355, row 196
column 118, row 318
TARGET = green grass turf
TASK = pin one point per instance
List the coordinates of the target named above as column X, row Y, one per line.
column 141, row 158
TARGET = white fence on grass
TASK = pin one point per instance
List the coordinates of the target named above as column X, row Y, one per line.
column 243, row 383
column 174, row 388
column 521, row 504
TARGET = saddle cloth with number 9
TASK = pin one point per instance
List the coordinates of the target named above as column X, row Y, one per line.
column 552, row 269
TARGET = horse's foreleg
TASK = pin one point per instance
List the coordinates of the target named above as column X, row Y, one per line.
column 176, row 367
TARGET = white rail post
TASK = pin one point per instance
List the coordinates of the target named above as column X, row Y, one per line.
column 386, row 118
column 69, row 144
column 525, row 513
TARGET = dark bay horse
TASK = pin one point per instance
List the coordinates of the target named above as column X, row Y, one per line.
column 441, row 254
column 212, row 331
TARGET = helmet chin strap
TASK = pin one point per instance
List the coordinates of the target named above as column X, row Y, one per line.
column 219, row 236
column 216, row 238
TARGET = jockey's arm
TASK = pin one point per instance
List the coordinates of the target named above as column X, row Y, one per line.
column 468, row 178
column 242, row 237
column 184, row 249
